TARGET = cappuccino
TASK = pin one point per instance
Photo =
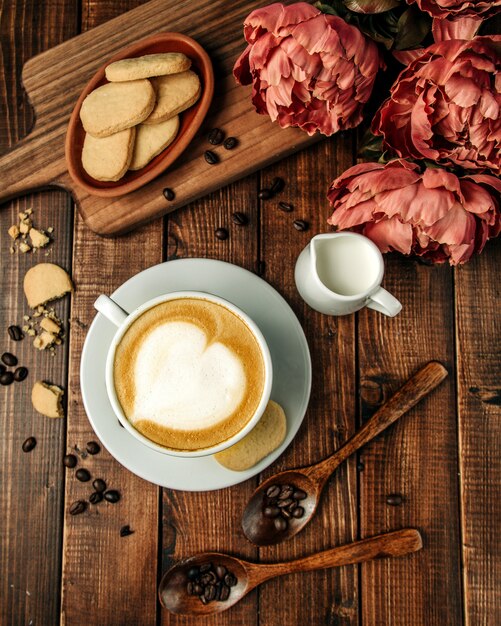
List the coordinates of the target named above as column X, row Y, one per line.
column 189, row 374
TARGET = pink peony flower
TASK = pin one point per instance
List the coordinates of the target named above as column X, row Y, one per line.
column 433, row 214
column 307, row 69
column 459, row 8
column 445, row 105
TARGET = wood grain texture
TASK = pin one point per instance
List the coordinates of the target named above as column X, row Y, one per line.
column 55, row 79
column 479, row 403
column 417, row 457
column 196, row 522
column 107, row 579
column 31, row 485
column 329, row 597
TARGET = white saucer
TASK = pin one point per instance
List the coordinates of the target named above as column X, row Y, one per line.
column 282, row 331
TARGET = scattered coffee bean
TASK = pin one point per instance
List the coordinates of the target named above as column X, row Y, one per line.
column 78, row 507
column 230, row 143
column 169, row 194
column 126, row 530
column 264, row 194
column 211, row 157
column 93, row 447
column 240, row 219
column 6, row 378
column 273, row 491
column 95, row 497
column 29, row 444
column 15, row 333
column 69, row 460
column 210, row 582
column 82, row 475
column 394, row 499
column 9, row 359
column 20, row 374
column 221, row 233
column 99, row 485
column 300, row 225
column 215, row 137
column 286, row 207
column 112, row 496
column 277, row 185
column 280, row 523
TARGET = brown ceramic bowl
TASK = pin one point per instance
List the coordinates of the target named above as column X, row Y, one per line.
column 190, row 120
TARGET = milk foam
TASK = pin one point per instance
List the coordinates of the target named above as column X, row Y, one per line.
column 182, row 381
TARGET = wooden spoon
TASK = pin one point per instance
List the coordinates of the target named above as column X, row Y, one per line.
column 263, row 530
column 174, row 595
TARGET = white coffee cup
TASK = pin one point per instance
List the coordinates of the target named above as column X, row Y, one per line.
column 340, row 273
column 123, row 320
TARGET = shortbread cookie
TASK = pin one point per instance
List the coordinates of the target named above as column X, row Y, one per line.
column 265, row 437
column 47, row 399
column 146, row 66
column 151, row 139
column 175, row 93
column 45, row 282
column 116, row 106
column 108, row 158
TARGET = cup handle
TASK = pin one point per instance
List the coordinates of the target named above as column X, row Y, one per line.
column 110, row 309
column 384, row 302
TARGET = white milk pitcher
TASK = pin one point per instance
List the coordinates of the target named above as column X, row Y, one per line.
column 340, row 273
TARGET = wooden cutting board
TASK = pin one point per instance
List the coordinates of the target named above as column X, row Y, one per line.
column 54, row 80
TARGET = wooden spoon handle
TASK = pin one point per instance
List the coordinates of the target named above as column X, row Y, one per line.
column 416, row 388
column 397, row 543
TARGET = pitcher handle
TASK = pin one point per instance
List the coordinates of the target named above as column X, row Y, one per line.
column 110, row 309
column 384, row 302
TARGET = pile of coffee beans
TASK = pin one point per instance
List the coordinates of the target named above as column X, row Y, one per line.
column 210, row 582
column 281, row 502
column 9, row 360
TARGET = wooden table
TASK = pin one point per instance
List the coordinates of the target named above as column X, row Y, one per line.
column 443, row 458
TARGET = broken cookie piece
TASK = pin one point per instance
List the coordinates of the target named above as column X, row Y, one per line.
column 47, row 399
column 50, row 325
column 45, row 282
column 14, row 231
column 38, row 238
column 44, row 340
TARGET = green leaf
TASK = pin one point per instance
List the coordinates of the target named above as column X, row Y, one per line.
column 326, row 8
column 412, row 28
column 371, row 148
column 371, row 6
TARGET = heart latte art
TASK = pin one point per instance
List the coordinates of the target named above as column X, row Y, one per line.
column 188, row 374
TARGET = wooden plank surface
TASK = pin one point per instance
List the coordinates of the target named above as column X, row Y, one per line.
column 31, row 493
column 478, row 336
column 417, row 458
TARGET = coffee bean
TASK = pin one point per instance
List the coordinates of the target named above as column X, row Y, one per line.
column 93, row 447
column 20, row 374
column 292, row 506
column 394, row 499
column 298, row 512
column 286, row 207
column 280, row 523
column 9, row 359
column 230, row 579
column 78, row 507
column 211, row 157
column 240, row 219
column 15, row 333
column 271, row 511
column 6, row 378
column 193, row 573
column 112, row 496
column 273, row 491
column 283, row 504
column 169, row 194
column 277, row 185
column 299, row 494
column 300, row 225
column 224, row 593
column 230, row 143
column 99, row 485
column 221, row 233
column 198, row 589
column 126, row 530
column 29, row 444
column 286, row 492
column 264, row 194
column 82, row 475
column 215, row 137
column 203, row 599
column 190, row 588
column 221, row 571
column 205, row 567
column 286, row 513
column 210, row 592
column 96, row 497
column 69, row 460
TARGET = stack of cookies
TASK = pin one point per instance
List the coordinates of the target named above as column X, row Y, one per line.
column 132, row 118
